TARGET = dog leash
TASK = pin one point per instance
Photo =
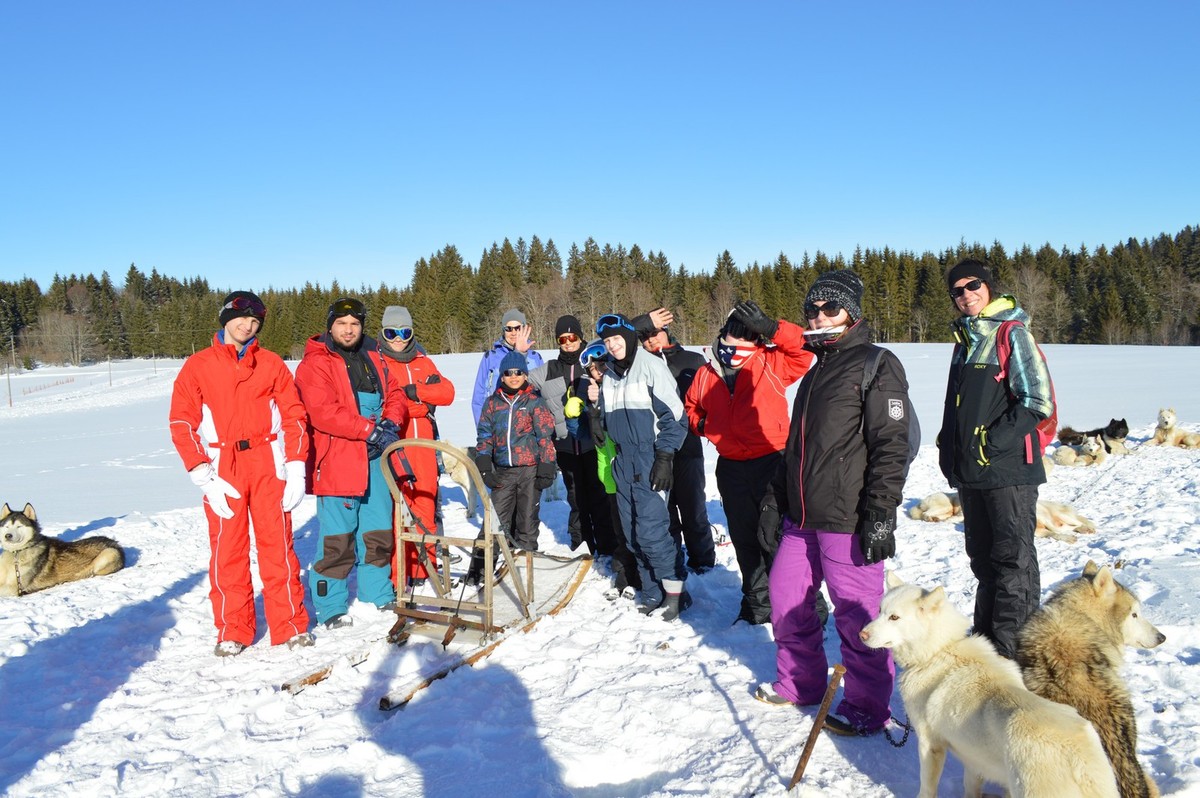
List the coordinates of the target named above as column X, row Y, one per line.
column 902, row 724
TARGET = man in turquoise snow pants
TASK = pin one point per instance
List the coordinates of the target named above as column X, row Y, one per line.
column 356, row 409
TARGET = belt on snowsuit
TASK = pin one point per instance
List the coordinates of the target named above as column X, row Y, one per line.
column 244, row 443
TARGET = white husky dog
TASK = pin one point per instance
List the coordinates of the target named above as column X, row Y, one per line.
column 962, row 696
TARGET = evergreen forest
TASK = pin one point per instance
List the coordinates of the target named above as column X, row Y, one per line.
column 1135, row 292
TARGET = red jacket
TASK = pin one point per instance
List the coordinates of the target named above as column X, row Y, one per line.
column 752, row 421
column 338, row 464
column 252, row 399
column 438, row 393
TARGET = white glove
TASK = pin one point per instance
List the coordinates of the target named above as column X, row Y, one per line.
column 293, row 491
column 216, row 490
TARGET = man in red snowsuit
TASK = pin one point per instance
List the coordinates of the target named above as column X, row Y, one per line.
column 240, row 428
column 424, row 389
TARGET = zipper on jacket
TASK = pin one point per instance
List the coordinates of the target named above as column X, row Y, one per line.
column 821, row 357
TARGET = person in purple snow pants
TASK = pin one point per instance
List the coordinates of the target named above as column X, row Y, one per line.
column 837, row 490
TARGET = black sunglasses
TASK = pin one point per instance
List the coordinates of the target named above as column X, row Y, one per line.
column 830, row 309
column 512, row 329
column 965, row 287
column 513, row 373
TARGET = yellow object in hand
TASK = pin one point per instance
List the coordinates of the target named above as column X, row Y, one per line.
column 573, row 408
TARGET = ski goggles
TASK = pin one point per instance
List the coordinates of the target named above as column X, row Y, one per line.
column 611, row 323
column 830, row 309
column 974, row 285
column 514, row 373
column 347, row 307
column 593, row 355
column 568, row 338
column 242, row 304
column 403, row 334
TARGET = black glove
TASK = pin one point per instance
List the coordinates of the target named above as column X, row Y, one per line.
column 662, row 474
column 411, row 392
column 757, row 322
column 770, row 524
column 433, row 378
column 382, row 436
column 487, row 470
column 546, row 474
column 877, row 533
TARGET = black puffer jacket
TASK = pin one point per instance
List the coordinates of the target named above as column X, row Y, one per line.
column 842, row 455
column 684, row 364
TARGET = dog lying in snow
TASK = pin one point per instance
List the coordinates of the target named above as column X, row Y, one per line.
column 1113, row 436
column 1054, row 519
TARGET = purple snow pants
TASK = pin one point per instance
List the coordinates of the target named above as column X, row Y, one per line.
column 807, row 557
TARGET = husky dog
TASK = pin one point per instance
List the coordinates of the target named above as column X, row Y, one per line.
column 1061, row 522
column 30, row 561
column 1090, row 452
column 1113, row 435
column 1071, row 651
column 1167, row 432
column 938, row 507
column 456, row 467
column 963, row 697
column 1054, row 520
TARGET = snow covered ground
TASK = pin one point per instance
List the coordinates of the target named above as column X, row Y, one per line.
column 109, row 686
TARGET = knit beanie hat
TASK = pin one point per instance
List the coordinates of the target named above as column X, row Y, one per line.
column 567, row 324
column 514, row 360
column 736, row 329
column 345, row 307
column 843, row 287
column 970, row 268
column 513, row 316
column 396, row 316
column 241, row 303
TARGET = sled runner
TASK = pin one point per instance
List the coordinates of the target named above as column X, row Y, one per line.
column 460, row 624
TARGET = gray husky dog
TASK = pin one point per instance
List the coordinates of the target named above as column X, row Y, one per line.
column 30, row 561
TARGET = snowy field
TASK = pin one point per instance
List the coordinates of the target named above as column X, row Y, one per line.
column 110, row 687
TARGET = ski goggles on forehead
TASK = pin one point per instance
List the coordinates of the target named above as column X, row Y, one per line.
column 610, row 323
column 347, row 307
column 973, row 285
column 242, row 304
column 404, row 334
column 830, row 309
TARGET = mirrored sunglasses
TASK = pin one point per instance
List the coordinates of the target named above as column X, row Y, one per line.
column 568, row 338
column 830, row 309
column 973, row 285
column 514, row 373
column 242, row 304
column 403, row 333
column 513, row 328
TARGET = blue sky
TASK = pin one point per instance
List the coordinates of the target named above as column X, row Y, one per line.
column 268, row 144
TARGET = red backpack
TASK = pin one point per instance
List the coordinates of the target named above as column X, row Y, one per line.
column 1047, row 428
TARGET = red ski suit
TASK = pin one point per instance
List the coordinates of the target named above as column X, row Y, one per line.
column 415, row 368
column 245, row 416
column 752, row 420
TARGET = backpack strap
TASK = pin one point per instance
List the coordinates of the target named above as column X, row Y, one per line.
column 870, row 369
column 1004, row 347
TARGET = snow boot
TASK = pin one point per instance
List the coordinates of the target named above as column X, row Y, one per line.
column 674, row 601
column 229, row 648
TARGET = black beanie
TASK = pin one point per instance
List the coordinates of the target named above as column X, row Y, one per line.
column 241, row 303
column 737, row 330
column 345, row 307
column 843, row 287
column 568, row 324
column 970, row 268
